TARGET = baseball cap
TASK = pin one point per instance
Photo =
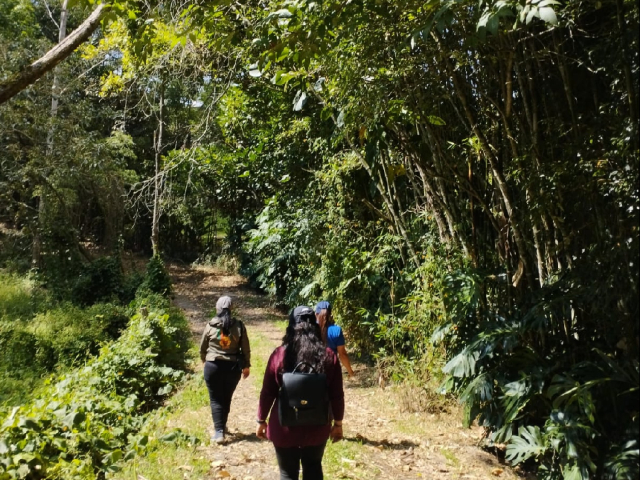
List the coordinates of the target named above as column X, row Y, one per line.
column 301, row 314
column 323, row 305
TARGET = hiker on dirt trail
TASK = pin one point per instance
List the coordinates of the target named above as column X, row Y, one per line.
column 296, row 445
column 226, row 354
column 332, row 334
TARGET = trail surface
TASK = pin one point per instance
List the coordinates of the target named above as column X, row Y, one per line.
column 382, row 441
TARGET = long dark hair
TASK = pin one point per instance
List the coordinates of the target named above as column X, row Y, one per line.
column 303, row 343
column 225, row 316
column 325, row 320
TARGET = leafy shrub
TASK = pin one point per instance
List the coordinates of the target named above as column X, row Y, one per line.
column 110, row 318
column 104, row 280
column 15, row 248
column 548, row 381
column 156, row 278
column 18, row 389
column 18, row 348
column 130, row 286
column 144, row 363
column 61, row 337
column 38, row 335
column 67, row 334
column 279, row 248
column 85, row 422
column 99, row 280
column 20, row 298
column 174, row 343
column 73, row 334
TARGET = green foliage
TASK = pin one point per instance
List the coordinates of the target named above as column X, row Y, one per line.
column 111, row 318
column 38, row 335
column 58, row 337
column 156, row 278
column 280, row 251
column 83, row 423
column 130, row 286
column 323, row 244
column 69, row 335
column 103, row 280
column 100, row 280
column 532, row 382
column 19, row 348
column 20, row 298
column 532, row 291
column 465, row 171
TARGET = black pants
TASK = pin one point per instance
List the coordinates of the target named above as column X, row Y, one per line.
column 222, row 378
column 289, row 460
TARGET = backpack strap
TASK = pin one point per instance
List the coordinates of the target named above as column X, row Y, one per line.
column 240, row 354
column 311, row 367
column 243, row 331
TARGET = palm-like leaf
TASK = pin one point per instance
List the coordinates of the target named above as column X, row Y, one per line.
column 528, row 443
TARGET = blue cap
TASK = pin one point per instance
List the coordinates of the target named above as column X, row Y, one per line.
column 323, row 305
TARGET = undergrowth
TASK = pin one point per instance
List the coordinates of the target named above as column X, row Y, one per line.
column 224, row 261
column 81, row 424
column 19, row 297
column 51, row 330
column 39, row 335
column 548, row 381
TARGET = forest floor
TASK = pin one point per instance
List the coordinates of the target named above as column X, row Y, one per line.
column 381, row 440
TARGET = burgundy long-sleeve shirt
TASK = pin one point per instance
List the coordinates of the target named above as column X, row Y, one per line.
column 286, row 437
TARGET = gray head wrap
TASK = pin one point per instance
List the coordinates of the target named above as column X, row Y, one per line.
column 222, row 303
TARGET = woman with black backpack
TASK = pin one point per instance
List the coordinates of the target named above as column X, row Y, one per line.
column 226, row 354
column 302, row 388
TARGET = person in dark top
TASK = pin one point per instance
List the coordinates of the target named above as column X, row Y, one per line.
column 300, row 445
column 226, row 354
column 332, row 335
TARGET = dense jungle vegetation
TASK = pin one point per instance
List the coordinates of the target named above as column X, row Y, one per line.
column 459, row 178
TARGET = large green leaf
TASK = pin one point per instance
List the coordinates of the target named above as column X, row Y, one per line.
column 463, row 364
column 527, row 444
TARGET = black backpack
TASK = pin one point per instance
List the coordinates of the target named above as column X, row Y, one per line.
column 304, row 400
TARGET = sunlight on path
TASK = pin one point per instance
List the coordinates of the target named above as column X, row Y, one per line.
column 381, row 442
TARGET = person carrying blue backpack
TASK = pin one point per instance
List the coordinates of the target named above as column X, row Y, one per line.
column 332, row 335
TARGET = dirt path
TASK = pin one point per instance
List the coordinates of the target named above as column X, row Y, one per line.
column 381, row 442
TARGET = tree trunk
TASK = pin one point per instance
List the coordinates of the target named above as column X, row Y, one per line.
column 55, row 89
column 55, row 94
column 155, row 224
column 53, row 57
column 497, row 174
